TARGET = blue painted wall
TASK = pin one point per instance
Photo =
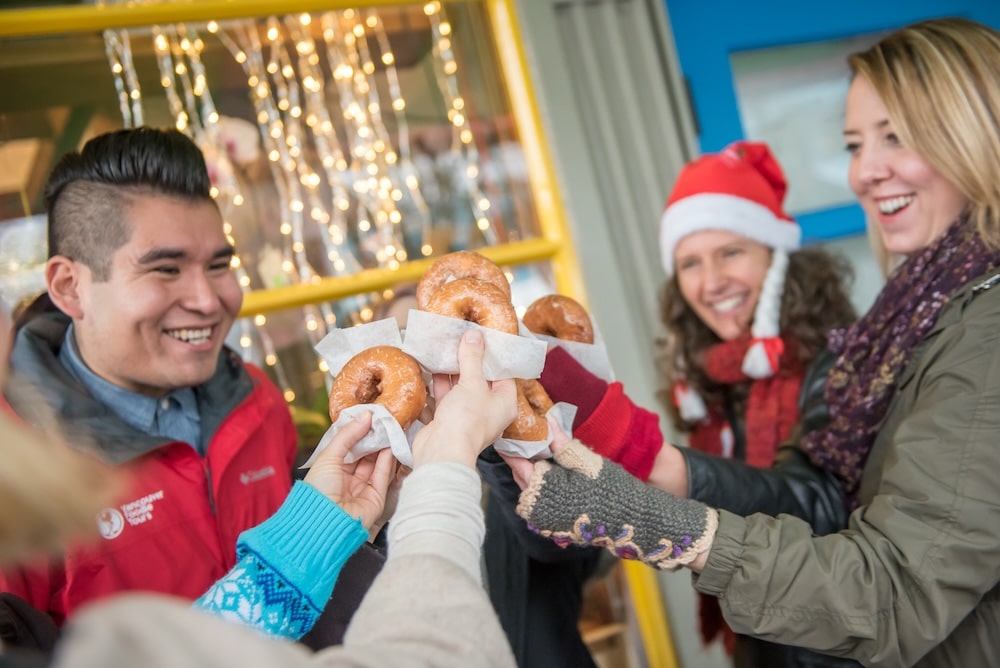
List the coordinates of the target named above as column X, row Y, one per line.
column 706, row 32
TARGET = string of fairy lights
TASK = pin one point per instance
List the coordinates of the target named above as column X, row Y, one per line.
column 445, row 70
column 332, row 121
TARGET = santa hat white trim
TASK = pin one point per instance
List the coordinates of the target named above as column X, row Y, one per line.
column 718, row 211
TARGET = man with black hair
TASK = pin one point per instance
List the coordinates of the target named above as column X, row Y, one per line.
column 127, row 349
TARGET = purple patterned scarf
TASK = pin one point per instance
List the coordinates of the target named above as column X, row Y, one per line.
column 876, row 349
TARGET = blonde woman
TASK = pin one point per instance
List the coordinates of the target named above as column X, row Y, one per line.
column 913, row 402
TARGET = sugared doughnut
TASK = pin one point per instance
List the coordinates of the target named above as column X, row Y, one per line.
column 460, row 264
column 380, row 375
column 476, row 301
column 561, row 317
column 533, row 403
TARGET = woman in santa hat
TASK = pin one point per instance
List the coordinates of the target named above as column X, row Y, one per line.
column 747, row 312
column 745, row 308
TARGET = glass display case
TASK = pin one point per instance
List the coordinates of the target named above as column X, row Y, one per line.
column 349, row 144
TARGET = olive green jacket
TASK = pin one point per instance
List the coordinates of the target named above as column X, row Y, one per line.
column 913, row 580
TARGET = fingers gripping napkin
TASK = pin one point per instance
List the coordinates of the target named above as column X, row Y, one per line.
column 372, row 374
column 586, row 500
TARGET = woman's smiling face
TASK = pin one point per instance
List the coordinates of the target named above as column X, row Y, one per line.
column 912, row 204
column 720, row 275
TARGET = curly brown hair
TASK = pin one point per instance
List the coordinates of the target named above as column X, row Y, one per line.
column 815, row 301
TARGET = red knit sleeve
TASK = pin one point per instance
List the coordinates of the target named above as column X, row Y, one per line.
column 567, row 380
column 606, row 419
column 623, row 432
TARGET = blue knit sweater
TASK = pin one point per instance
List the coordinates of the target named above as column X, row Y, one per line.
column 287, row 566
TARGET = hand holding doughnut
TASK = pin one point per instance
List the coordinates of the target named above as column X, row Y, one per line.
column 470, row 413
column 361, row 487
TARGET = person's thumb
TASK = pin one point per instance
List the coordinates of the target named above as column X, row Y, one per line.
column 578, row 457
column 471, row 350
column 347, row 437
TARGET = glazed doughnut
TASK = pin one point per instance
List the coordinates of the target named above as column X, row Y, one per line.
column 533, row 403
column 460, row 264
column 382, row 375
column 476, row 301
column 561, row 317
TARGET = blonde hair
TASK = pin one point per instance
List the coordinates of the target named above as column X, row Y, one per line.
column 49, row 493
column 939, row 83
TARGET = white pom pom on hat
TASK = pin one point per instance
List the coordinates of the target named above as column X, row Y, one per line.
column 741, row 190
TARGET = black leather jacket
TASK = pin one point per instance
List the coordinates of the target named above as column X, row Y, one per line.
column 792, row 486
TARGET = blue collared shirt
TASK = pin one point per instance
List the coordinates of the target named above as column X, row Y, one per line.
column 174, row 416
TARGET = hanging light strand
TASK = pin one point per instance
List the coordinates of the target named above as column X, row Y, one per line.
column 119, row 53
column 362, row 170
column 246, row 51
column 249, row 51
column 383, row 144
column 301, row 178
column 406, row 169
column 445, row 69
column 331, row 219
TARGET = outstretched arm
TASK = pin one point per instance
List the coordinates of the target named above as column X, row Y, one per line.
column 289, row 564
column 609, row 423
column 504, row 495
column 584, row 499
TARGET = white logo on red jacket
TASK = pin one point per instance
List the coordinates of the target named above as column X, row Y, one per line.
column 248, row 477
column 111, row 522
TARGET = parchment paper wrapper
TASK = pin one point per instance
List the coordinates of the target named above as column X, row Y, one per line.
column 339, row 346
column 592, row 356
column 433, row 340
column 385, row 433
column 563, row 414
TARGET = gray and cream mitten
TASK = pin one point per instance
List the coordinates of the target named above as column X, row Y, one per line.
column 584, row 499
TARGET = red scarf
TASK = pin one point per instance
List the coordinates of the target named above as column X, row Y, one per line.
column 772, row 405
column 772, row 410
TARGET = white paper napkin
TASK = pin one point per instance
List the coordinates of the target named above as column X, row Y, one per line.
column 563, row 414
column 433, row 341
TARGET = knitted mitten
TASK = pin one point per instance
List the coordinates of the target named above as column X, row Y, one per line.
column 586, row 500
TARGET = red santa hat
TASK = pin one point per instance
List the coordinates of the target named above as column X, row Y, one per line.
column 741, row 190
